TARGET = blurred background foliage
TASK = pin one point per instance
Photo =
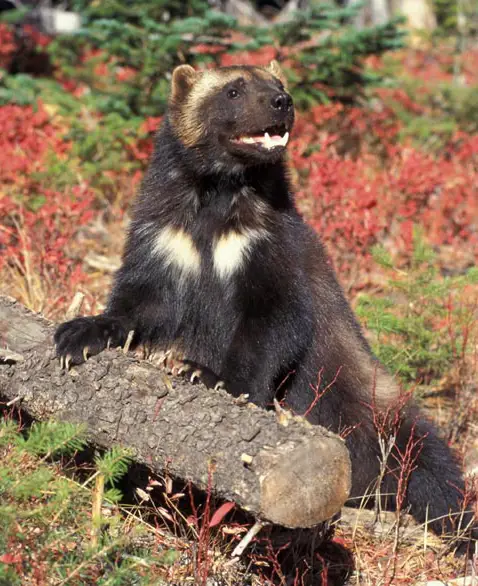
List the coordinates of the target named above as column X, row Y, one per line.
column 142, row 42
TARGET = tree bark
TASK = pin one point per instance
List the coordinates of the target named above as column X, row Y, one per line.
column 244, row 13
column 374, row 12
column 419, row 14
column 281, row 469
column 380, row 11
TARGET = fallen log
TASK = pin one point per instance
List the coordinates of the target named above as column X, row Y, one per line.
column 280, row 469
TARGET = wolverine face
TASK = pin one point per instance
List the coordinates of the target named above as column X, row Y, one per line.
column 232, row 115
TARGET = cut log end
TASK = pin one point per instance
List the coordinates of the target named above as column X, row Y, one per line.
column 305, row 484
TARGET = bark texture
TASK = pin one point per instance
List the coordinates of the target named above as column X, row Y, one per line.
column 282, row 470
column 419, row 13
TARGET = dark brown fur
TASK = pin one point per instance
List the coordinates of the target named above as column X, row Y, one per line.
column 219, row 264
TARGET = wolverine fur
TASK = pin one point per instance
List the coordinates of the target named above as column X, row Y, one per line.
column 219, row 264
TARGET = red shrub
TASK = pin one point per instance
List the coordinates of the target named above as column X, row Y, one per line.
column 260, row 58
column 357, row 184
column 27, row 136
column 37, row 224
column 7, row 45
column 360, row 186
column 29, row 42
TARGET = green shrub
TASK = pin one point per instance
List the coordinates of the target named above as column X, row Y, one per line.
column 150, row 40
column 118, row 67
column 46, row 525
column 447, row 15
column 422, row 326
column 460, row 104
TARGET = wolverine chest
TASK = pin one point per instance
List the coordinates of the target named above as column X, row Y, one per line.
column 204, row 287
column 216, row 256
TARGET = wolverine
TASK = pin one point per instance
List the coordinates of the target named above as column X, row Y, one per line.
column 219, row 265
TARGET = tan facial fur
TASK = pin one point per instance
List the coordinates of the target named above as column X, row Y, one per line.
column 276, row 71
column 189, row 89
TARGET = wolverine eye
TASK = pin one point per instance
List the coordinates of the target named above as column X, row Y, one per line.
column 232, row 94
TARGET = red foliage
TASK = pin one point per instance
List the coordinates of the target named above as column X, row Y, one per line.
column 7, row 45
column 433, row 66
column 143, row 148
column 204, row 49
column 357, row 183
column 27, row 135
column 37, row 223
column 10, row 558
column 220, row 513
column 36, row 37
column 151, row 124
column 401, row 97
column 359, row 186
column 125, row 73
column 30, row 40
column 260, row 57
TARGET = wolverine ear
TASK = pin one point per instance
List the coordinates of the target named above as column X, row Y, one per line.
column 182, row 81
column 275, row 69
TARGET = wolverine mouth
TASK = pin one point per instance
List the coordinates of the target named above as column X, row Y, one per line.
column 268, row 139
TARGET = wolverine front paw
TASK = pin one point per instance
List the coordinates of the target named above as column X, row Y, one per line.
column 85, row 336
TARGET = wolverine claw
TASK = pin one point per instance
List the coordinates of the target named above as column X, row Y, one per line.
column 184, row 369
column 162, row 358
column 82, row 337
column 220, row 386
column 174, row 364
column 243, row 399
column 196, row 375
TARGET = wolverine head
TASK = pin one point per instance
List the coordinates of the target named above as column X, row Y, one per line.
column 232, row 116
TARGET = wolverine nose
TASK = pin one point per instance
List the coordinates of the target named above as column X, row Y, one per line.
column 282, row 102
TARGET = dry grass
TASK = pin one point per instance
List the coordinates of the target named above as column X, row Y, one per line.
column 385, row 554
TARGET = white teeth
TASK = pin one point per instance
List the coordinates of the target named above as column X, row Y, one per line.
column 267, row 141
